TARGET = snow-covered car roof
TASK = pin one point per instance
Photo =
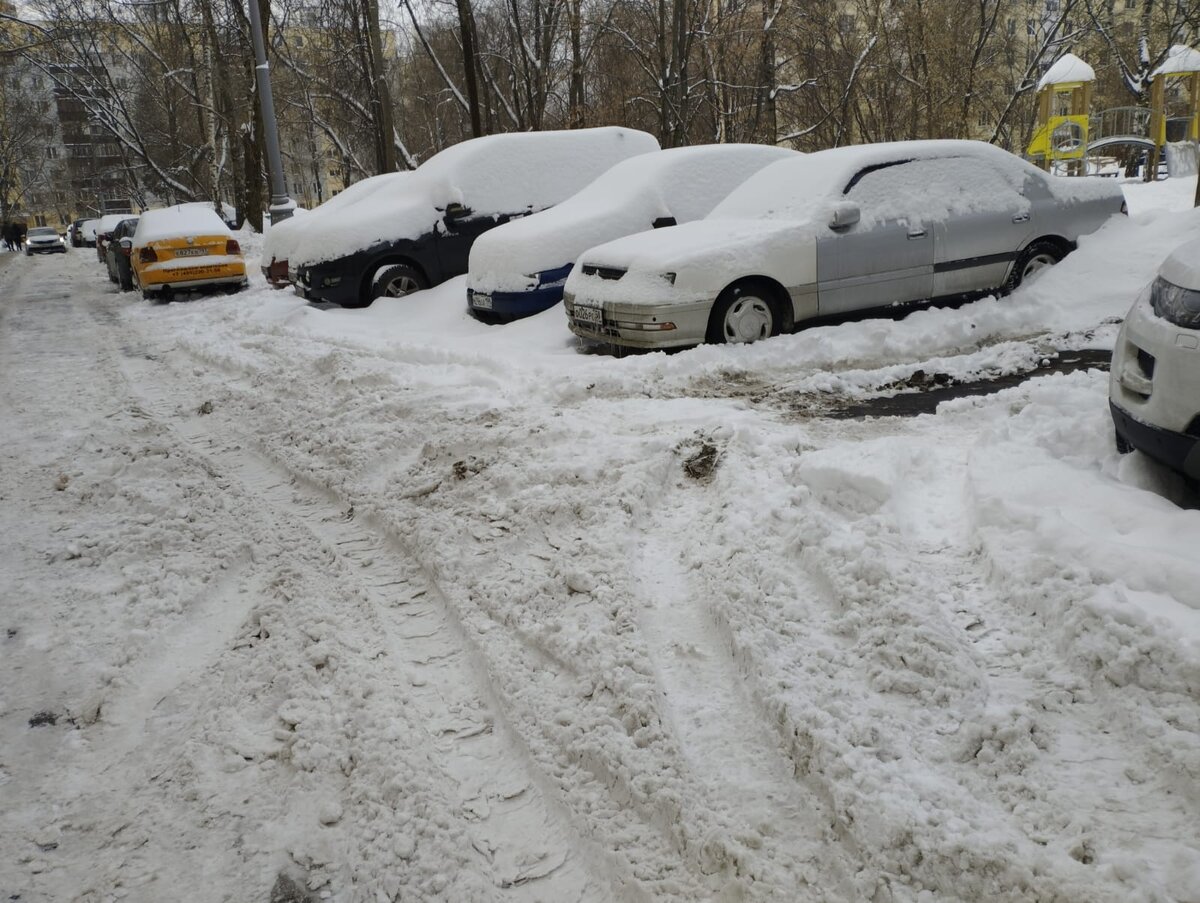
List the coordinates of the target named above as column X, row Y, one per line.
column 110, row 221
column 88, row 226
column 684, row 183
column 282, row 238
column 180, row 221
column 802, row 189
column 496, row 174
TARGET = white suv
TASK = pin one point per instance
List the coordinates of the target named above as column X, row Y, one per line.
column 1154, row 387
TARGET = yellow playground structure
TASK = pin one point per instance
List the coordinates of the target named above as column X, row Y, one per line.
column 1070, row 139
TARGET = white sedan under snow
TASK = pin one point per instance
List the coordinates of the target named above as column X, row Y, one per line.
column 841, row 230
column 519, row 269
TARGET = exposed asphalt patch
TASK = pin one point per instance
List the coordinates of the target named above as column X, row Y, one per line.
column 933, row 389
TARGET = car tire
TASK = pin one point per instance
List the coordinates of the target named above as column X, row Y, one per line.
column 397, row 282
column 743, row 313
column 1041, row 255
column 125, row 282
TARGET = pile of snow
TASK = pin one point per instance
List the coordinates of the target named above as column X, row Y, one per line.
column 683, row 183
column 181, row 221
column 514, row 173
column 1069, row 68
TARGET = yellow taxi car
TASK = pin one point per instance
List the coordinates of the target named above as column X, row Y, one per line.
column 184, row 248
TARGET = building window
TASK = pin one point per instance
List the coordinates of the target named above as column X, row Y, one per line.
column 1012, row 27
column 1030, row 27
column 1131, row 4
column 846, row 22
column 52, row 152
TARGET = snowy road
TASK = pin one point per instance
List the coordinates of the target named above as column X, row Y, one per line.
column 402, row 607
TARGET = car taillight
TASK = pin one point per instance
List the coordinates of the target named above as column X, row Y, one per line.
column 232, row 247
column 147, row 255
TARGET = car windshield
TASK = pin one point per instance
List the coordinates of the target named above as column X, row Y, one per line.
column 43, row 230
column 790, row 189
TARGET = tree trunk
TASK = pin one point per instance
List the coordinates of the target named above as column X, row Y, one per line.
column 381, row 95
column 466, row 28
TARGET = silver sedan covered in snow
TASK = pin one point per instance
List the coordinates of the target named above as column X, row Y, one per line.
column 837, row 231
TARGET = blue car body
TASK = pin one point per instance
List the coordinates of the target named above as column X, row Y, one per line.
column 541, row 295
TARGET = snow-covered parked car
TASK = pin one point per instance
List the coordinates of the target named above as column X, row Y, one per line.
column 87, row 233
column 840, row 230
column 1154, row 383
column 278, row 264
column 184, row 248
column 420, row 232
column 104, row 230
column 520, row 268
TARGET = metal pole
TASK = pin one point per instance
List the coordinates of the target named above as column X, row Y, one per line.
column 281, row 205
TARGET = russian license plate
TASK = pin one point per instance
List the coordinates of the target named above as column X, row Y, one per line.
column 589, row 314
column 482, row 301
column 192, row 252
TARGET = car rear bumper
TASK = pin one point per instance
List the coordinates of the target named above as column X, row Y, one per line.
column 276, row 273
column 1178, row 451
column 185, row 284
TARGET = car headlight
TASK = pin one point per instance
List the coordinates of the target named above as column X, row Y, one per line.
column 1174, row 304
column 330, row 281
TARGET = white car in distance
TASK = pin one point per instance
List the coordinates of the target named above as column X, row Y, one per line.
column 841, row 230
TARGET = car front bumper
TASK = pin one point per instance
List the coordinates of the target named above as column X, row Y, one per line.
column 1154, row 388
column 513, row 305
column 1178, row 451
column 46, row 249
column 310, row 284
column 637, row 325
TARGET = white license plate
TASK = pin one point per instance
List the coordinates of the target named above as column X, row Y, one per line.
column 482, row 301
column 589, row 314
column 192, row 252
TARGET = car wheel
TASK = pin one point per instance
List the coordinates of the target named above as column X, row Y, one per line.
column 125, row 282
column 1039, row 256
column 397, row 282
column 742, row 314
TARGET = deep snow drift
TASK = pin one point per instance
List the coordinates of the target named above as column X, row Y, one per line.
column 405, row 607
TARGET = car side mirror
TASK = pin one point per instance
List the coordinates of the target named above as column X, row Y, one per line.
column 127, row 244
column 454, row 213
column 844, row 215
column 663, row 222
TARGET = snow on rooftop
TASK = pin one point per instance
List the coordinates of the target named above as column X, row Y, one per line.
column 1180, row 59
column 1068, row 68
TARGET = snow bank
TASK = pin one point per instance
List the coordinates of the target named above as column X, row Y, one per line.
column 683, row 183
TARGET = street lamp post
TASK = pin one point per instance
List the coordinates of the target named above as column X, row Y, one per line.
column 281, row 205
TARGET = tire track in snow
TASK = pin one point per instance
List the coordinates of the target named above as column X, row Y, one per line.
column 524, row 840
column 724, row 733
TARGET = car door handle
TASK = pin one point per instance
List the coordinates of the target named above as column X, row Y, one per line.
column 917, row 233
column 1021, row 218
